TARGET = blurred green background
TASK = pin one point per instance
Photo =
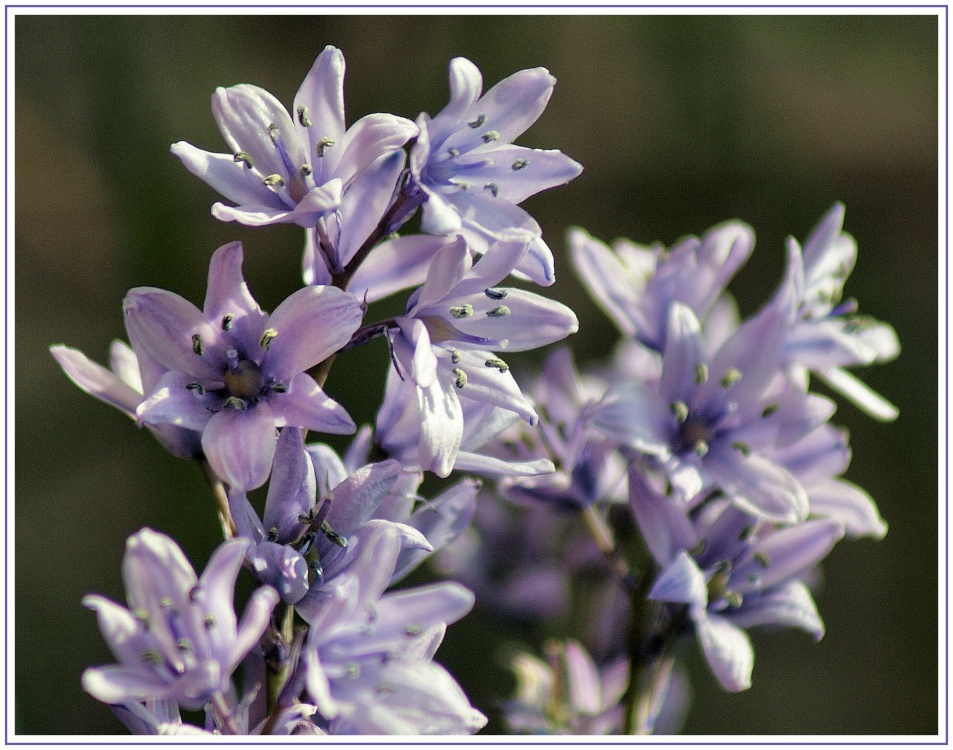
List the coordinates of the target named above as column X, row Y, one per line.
column 680, row 122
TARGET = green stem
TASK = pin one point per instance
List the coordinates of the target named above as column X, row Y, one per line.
column 220, row 497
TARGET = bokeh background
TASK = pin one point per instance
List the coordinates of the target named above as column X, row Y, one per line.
column 680, row 122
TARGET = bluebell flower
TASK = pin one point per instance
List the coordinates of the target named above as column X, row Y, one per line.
column 131, row 372
column 635, row 285
column 712, row 420
column 179, row 639
column 367, row 662
column 732, row 570
column 291, row 167
column 303, row 539
column 829, row 334
column 236, row 374
column 472, row 176
column 567, row 694
column 444, row 345
column 588, row 467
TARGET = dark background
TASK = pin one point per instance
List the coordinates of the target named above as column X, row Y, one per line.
column 680, row 122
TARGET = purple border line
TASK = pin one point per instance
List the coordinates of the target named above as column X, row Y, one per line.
column 443, row 741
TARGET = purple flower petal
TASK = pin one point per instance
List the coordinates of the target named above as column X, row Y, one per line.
column 306, row 405
column 790, row 604
column 727, row 649
column 240, row 445
column 312, row 324
column 96, row 379
column 229, row 177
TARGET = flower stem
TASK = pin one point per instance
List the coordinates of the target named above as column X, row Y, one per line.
column 223, row 715
column 605, row 541
column 221, row 499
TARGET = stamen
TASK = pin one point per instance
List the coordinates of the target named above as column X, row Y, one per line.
column 481, row 118
column 680, row 410
column 454, row 356
column 732, row 376
column 273, row 179
column 699, row 549
column 495, row 293
column 278, row 387
column 701, row 448
column 734, row 599
column 323, row 144
column 185, row 646
column 315, row 569
column 197, row 387
column 303, row 116
column 331, row 534
column 197, row 344
column 267, row 337
column 461, row 380
column 745, row 534
column 227, row 322
column 413, row 630
column 499, row 364
column 493, row 188
column 763, row 560
column 453, row 152
column 742, row 448
column 498, row 312
column 273, row 534
column 209, row 622
column 241, row 156
column 304, row 170
column 770, row 409
column 353, row 670
column 520, row 164
column 490, row 135
column 234, row 402
column 149, row 656
column 701, row 373
column 463, row 311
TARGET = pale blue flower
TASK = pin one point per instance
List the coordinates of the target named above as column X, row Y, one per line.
column 470, row 173
column 712, row 420
column 291, row 167
column 445, row 342
column 179, row 638
column 236, row 374
column 635, row 285
column 733, row 570
column 829, row 335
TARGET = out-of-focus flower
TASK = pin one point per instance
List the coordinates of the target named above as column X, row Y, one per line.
column 588, row 468
column 712, row 421
column 733, row 570
column 567, row 694
column 829, row 334
column 470, row 173
column 291, row 168
column 635, row 285
column 131, row 371
column 368, row 657
column 234, row 373
column 179, row 638
column 443, row 343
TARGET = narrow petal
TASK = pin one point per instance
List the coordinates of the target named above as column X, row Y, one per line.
column 365, row 201
column 849, row 504
column 728, row 651
column 311, row 325
column 307, row 405
column 485, row 383
column 96, row 379
column 118, row 684
column 584, row 684
column 684, row 352
column 254, row 620
column 441, row 428
column 791, row 605
column 447, row 269
column 528, row 320
column 394, row 265
column 240, row 445
column 369, row 138
column 681, row 581
column 662, row 519
column 514, row 173
column 635, row 415
column 230, row 178
column 292, row 488
column 758, row 485
column 252, row 214
column 466, row 85
column 322, row 94
column 174, row 403
column 609, row 283
column 165, row 324
column 862, row 395
column 217, row 586
column 491, row 466
column 354, row 500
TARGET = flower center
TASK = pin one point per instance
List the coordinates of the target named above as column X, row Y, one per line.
column 244, row 380
column 693, row 435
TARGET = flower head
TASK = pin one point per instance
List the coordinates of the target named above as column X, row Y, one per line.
column 472, row 175
column 179, row 638
column 235, row 373
column 290, row 167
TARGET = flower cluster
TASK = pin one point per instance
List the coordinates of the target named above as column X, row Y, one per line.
column 687, row 487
